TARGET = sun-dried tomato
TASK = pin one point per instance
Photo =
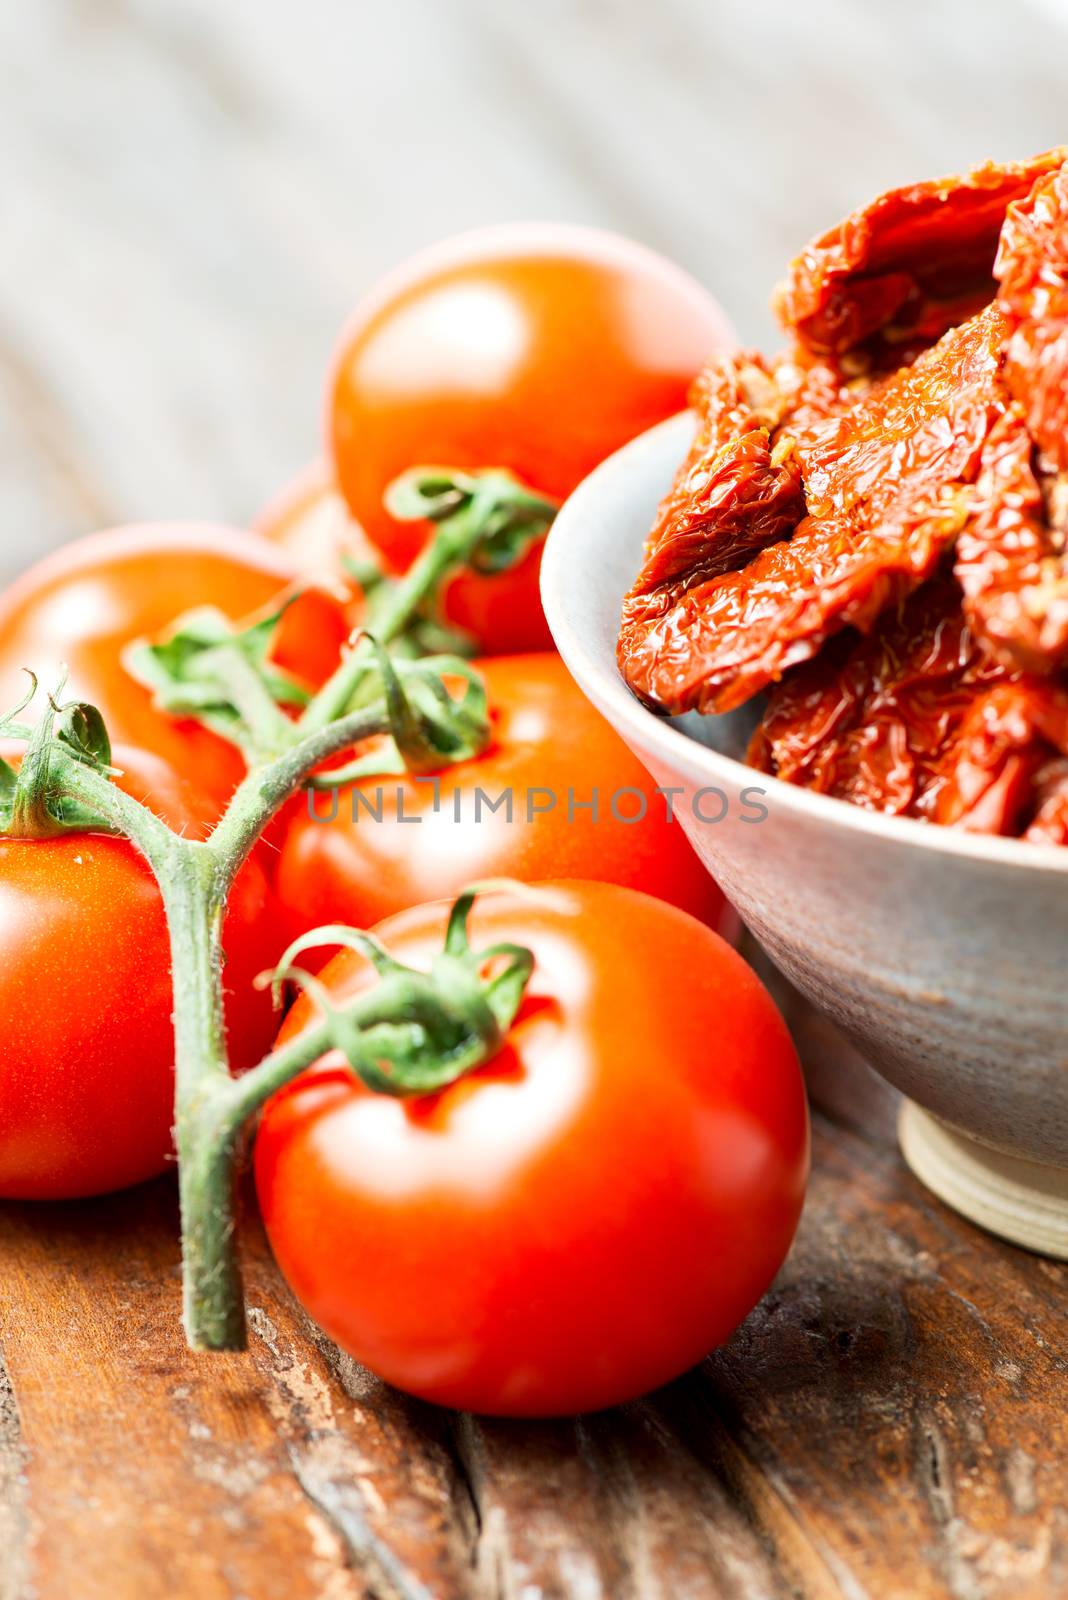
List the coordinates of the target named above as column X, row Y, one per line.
column 919, row 719
column 887, row 489
column 1010, row 561
column 1049, row 825
column 807, row 541
column 1009, row 736
column 734, row 493
column 1032, row 269
column 871, row 719
column 892, row 277
column 739, row 487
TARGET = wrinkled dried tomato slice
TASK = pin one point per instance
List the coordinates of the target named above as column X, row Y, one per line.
column 887, row 485
column 733, row 493
column 919, row 719
column 1009, row 559
column 1049, row 825
column 895, row 275
column 1032, row 270
column 1008, row 738
column 871, row 720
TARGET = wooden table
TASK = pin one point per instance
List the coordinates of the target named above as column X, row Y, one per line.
column 193, row 195
column 891, row 1422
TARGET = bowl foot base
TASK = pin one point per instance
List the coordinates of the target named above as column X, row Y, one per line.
column 1018, row 1200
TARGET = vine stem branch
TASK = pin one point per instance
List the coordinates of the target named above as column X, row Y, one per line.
column 458, row 1015
column 211, row 1107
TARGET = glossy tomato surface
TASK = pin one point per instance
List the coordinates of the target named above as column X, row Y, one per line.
column 540, row 348
column 85, row 602
column 86, row 1037
column 583, row 1217
column 395, row 842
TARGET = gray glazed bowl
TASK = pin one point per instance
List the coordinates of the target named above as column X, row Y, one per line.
column 942, row 955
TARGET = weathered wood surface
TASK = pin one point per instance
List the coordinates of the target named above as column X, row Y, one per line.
column 193, row 195
column 891, row 1423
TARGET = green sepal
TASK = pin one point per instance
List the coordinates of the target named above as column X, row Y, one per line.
column 429, row 494
column 29, row 807
column 429, row 728
column 486, row 520
column 8, row 781
column 192, row 672
column 413, row 1032
column 80, row 727
column 451, row 729
column 424, row 633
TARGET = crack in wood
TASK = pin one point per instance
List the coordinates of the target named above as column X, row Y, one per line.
column 14, row 1516
column 328, row 1463
column 889, row 1421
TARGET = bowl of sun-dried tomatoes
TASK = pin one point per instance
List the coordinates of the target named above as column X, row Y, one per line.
column 828, row 608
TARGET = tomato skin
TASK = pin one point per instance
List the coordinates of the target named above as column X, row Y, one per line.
column 585, row 1216
column 86, row 601
column 540, row 348
column 546, row 737
column 86, row 1037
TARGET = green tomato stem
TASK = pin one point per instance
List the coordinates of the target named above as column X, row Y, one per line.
column 414, row 1032
column 269, row 730
column 195, row 877
column 213, row 1306
column 467, row 511
column 265, row 789
column 401, row 602
column 444, row 553
column 410, row 1033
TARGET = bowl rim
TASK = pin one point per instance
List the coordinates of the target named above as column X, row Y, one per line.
column 662, row 735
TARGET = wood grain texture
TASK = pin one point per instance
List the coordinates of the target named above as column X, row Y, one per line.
column 194, row 194
column 890, row 1422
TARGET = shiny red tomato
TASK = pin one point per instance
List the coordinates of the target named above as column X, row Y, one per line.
column 583, row 1217
column 85, row 602
column 540, row 348
column 398, row 841
column 87, row 1058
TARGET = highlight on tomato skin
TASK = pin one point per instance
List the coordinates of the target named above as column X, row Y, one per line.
column 87, row 1062
column 395, row 842
column 539, row 348
column 583, row 1217
column 85, row 602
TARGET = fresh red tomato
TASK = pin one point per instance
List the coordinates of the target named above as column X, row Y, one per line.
column 87, row 1059
column 584, row 1216
column 85, row 602
column 310, row 522
column 397, row 841
column 540, row 348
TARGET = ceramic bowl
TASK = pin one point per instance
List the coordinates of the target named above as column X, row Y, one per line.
column 942, row 955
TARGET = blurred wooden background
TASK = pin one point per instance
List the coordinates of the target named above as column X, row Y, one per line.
column 194, row 192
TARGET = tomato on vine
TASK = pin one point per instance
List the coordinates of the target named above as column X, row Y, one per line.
column 535, row 349
column 86, row 602
column 87, row 1067
column 586, row 1213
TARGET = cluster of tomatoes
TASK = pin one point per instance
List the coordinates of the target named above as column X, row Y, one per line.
column 587, row 1213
